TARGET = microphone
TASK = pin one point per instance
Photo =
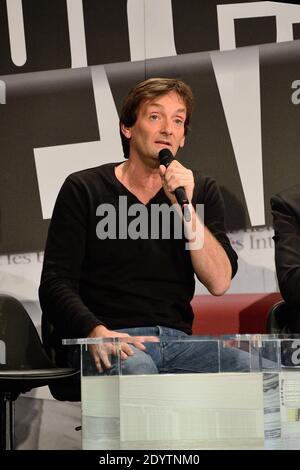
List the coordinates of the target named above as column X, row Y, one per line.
column 165, row 158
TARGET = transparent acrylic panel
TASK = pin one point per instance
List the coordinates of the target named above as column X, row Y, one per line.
column 230, row 392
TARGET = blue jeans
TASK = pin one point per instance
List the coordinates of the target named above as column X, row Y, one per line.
column 184, row 356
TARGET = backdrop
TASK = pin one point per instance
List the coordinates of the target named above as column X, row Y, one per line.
column 65, row 66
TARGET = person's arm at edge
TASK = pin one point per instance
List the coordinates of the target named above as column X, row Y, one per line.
column 287, row 250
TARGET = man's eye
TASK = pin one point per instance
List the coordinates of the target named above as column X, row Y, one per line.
column 153, row 117
column 179, row 122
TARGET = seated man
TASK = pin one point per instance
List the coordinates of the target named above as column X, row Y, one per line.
column 108, row 273
column 286, row 217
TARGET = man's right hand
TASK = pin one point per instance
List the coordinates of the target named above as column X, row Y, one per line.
column 102, row 351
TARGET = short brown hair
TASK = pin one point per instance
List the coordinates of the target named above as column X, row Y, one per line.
column 148, row 90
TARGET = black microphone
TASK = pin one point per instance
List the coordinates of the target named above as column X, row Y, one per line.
column 165, row 158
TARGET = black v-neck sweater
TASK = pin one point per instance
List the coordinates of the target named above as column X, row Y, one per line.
column 119, row 282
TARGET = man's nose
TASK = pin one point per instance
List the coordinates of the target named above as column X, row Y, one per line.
column 166, row 127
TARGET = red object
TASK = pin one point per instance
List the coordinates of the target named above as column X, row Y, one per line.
column 232, row 313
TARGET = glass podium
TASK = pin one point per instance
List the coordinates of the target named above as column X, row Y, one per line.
column 249, row 402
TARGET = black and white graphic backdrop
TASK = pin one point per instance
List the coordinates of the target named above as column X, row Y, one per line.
column 65, row 66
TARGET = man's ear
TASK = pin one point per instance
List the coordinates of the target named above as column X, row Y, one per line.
column 126, row 131
column 182, row 142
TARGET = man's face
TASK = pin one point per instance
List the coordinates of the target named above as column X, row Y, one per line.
column 159, row 124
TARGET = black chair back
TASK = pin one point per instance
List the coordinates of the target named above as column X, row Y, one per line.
column 24, row 363
column 278, row 318
column 23, row 346
column 69, row 389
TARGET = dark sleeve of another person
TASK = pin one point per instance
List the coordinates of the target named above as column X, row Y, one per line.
column 286, row 218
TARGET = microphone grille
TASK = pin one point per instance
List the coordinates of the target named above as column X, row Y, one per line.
column 165, row 157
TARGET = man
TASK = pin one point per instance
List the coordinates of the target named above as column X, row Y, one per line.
column 98, row 283
column 286, row 218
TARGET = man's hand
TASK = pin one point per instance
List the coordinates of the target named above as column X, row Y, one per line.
column 101, row 352
column 174, row 176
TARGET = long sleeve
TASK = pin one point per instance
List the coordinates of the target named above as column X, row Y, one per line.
column 208, row 193
column 64, row 254
column 119, row 282
column 286, row 217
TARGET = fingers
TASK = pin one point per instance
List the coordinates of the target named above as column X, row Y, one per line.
column 173, row 180
column 117, row 334
column 102, row 352
column 162, row 170
column 125, row 351
column 105, row 362
column 139, row 345
column 138, row 341
column 177, row 175
column 101, row 359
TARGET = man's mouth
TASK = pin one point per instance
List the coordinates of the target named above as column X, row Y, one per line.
column 163, row 142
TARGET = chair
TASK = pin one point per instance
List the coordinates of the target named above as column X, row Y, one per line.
column 277, row 319
column 70, row 388
column 24, row 363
